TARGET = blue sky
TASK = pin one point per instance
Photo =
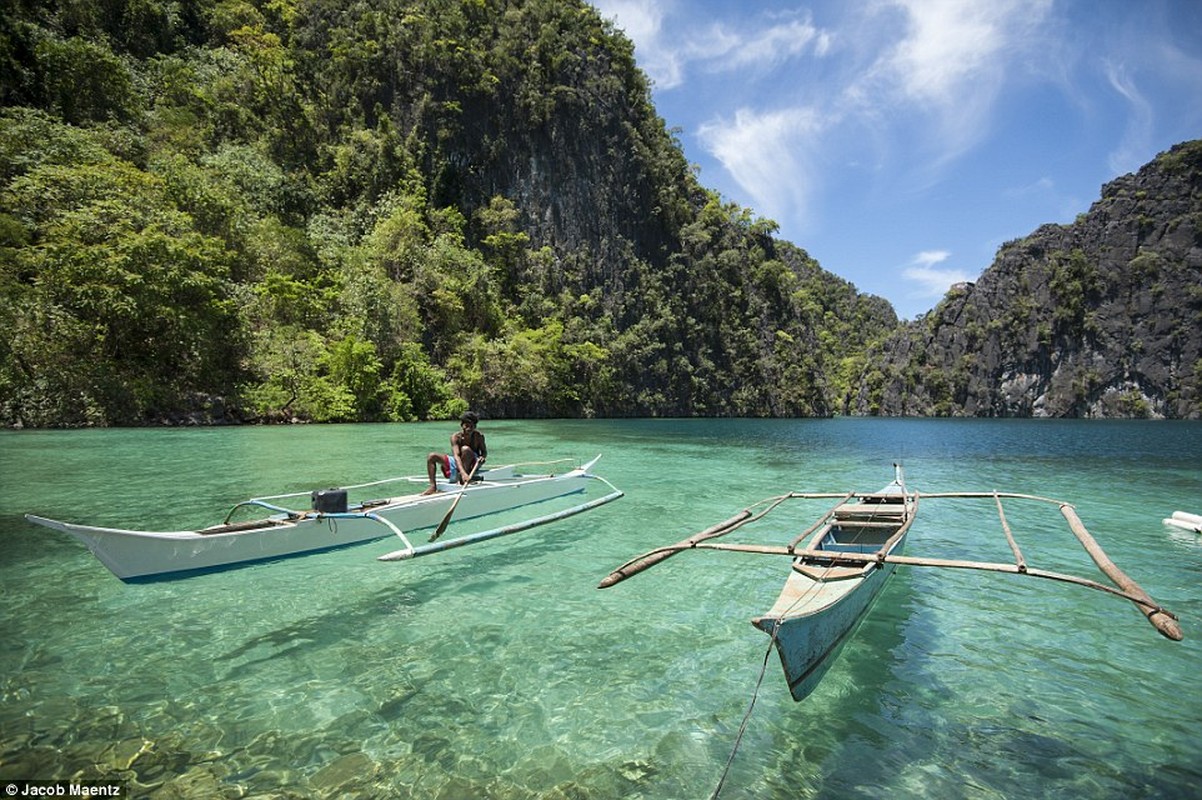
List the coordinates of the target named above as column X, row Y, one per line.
column 902, row 142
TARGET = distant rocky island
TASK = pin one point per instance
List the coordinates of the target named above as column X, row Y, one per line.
column 1100, row 318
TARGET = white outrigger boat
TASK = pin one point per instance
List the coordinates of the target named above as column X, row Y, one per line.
column 332, row 522
column 1185, row 521
column 850, row 552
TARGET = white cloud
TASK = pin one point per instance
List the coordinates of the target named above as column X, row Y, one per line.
column 777, row 43
column 951, row 63
column 1154, row 84
column 928, row 258
column 1137, row 134
column 766, row 154
column 1040, row 186
column 928, row 281
column 721, row 47
column 642, row 21
column 949, row 43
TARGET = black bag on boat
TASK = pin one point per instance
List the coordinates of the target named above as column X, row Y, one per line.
column 329, row 501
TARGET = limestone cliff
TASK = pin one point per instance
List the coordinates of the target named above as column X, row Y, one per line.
column 1099, row 318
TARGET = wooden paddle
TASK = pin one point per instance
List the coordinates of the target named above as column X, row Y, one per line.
column 442, row 526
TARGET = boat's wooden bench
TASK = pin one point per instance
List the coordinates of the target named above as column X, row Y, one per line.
column 824, row 572
column 853, row 510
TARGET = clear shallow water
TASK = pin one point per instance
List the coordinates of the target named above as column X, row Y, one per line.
column 499, row 671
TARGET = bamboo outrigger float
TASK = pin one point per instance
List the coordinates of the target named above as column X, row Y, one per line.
column 849, row 553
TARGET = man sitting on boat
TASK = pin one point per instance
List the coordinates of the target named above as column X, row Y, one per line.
column 467, row 450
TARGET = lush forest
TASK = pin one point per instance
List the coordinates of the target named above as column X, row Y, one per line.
column 361, row 210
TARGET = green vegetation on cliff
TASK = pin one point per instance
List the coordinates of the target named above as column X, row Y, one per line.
column 1100, row 318
column 378, row 210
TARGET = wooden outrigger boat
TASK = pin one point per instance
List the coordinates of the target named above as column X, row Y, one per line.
column 824, row 598
column 332, row 522
column 850, row 552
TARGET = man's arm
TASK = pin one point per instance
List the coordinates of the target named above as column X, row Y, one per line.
column 456, row 444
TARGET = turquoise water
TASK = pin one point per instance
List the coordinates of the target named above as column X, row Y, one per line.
column 500, row 671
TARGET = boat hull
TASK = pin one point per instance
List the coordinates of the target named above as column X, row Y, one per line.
column 141, row 556
column 824, row 599
column 809, row 643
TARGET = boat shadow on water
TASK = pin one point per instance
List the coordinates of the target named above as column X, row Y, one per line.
column 888, row 671
column 914, row 667
column 332, row 625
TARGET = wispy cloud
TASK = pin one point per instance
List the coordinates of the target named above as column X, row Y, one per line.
column 757, row 43
column 927, row 279
column 774, row 44
column 1044, row 185
column 642, row 21
column 1142, row 63
column 767, row 155
column 951, row 45
column 951, row 62
column 1133, row 148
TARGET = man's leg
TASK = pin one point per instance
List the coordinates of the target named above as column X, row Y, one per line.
column 433, row 461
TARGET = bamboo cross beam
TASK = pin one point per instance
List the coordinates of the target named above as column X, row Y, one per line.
column 650, row 559
column 1145, row 603
column 987, row 495
column 1162, row 621
column 1018, row 556
column 653, row 557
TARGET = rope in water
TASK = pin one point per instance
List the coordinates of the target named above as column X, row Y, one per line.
column 755, row 693
column 746, row 717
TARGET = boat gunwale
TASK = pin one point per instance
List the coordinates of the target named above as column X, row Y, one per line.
column 147, row 556
column 903, row 508
column 286, row 518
